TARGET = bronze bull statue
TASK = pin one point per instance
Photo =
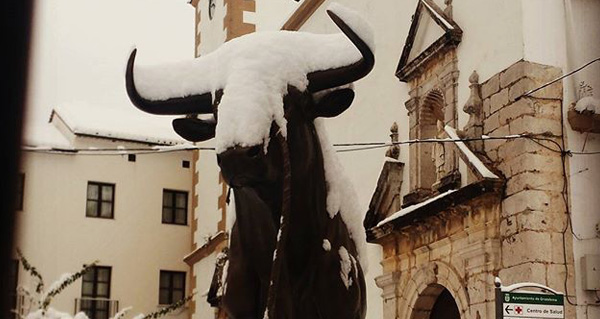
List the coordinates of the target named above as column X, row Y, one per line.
column 288, row 256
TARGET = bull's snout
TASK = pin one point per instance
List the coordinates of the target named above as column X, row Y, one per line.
column 242, row 166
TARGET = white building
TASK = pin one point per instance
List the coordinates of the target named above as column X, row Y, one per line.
column 97, row 186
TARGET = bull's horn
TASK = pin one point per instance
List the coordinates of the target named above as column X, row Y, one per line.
column 191, row 104
column 326, row 79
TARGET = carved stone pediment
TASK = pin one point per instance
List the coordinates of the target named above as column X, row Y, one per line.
column 414, row 58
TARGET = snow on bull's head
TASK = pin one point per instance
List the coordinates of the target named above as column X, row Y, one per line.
column 245, row 82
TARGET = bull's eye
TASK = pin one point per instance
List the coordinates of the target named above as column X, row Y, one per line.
column 254, row 151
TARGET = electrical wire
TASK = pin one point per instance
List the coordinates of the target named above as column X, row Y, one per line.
column 360, row 146
column 528, row 93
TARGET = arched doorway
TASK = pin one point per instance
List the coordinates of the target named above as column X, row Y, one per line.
column 445, row 307
column 435, row 302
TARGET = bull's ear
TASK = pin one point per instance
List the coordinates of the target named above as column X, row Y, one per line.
column 334, row 103
column 194, row 129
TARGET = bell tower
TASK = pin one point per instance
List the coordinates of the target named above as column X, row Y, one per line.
column 218, row 21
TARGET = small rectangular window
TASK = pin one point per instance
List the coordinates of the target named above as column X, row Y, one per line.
column 100, row 200
column 174, row 208
column 171, row 287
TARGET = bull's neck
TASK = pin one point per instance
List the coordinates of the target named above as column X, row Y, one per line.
column 308, row 216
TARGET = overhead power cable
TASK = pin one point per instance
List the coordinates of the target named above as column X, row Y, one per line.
column 345, row 147
column 528, row 93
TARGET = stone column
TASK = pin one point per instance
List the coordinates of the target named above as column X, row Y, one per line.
column 390, row 293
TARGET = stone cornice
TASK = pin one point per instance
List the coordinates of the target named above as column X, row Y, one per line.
column 460, row 196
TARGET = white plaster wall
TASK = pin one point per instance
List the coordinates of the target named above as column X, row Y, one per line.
column 582, row 45
column 208, row 190
column 208, row 216
column 271, row 14
column 204, row 270
column 565, row 34
column 492, row 41
column 544, row 35
column 212, row 34
column 56, row 236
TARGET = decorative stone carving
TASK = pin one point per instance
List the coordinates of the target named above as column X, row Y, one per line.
column 386, row 198
column 474, row 107
column 448, row 10
column 394, row 150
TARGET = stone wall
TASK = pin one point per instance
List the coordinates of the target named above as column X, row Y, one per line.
column 533, row 220
column 459, row 249
column 517, row 233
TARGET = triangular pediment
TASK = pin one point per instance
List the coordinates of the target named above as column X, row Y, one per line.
column 431, row 31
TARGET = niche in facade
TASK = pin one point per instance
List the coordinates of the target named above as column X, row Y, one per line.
column 428, row 65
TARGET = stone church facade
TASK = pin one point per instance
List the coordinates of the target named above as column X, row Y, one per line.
column 444, row 248
column 455, row 234
column 511, row 227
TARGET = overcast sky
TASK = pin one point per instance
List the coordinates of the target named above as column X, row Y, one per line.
column 80, row 48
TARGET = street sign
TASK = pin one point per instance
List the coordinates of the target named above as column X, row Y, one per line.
column 520, row 305
column 513, row 302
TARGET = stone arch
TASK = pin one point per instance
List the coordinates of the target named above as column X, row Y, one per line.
column 432, row 109
column 426, row 285
column 430, row 115
column 435, row 301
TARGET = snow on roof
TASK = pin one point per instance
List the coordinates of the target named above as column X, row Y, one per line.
column 125, row 124
column 44, row 136
column 437, row 15
column 475, row 162
column 410, row 209
column 472, row 158
column 254, row 72
column 588, row 103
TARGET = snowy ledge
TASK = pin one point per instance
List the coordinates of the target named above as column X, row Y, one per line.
column 487, row 182
column 409, row 209
column 205, row 250
column 474, row 163
column 419, row 212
